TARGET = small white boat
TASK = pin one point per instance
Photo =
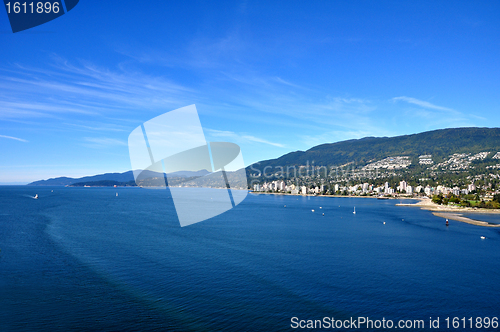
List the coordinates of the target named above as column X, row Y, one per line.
column 354, row 212
column 482, row 238
column 312, row 210
column 36, row 196
column 384, row 222
column 116, row 194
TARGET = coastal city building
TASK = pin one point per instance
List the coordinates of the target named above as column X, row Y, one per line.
column 367, row 189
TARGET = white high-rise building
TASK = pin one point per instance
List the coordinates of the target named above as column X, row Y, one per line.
column 409, row 190
column 439, row 189
column 402, row 186
column 428, row 191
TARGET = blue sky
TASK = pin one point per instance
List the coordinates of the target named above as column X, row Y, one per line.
column 273, row 77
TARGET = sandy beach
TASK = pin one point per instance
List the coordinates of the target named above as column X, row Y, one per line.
column 427, row 204
column 458, row 217
column 453, row 212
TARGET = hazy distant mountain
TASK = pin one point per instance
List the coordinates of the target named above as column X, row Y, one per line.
column 441, row 144
column 438, row 143
column 120, row 178
column 66, row 181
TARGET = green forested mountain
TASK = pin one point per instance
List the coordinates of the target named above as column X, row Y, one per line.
column 438, row 143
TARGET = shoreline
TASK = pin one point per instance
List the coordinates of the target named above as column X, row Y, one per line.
column 458, row 217
column 454, row 213
column 427, row 204
column 313, row 195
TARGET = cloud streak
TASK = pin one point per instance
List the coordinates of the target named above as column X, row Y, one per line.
column 237, row 137
column 422, row 103
column 14, row 138
column 103, row 142
column 66, row 89
column 260, row 140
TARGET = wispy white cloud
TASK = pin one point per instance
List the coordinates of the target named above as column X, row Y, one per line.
column 260, row 140
column 86, row 89
column 239, row 137
column 14, row 138
column 102, row 127
column 220, row 133
column 40, row 108
column 422, row 103
column 282, row 81
column 102, row 142
column 430, row 116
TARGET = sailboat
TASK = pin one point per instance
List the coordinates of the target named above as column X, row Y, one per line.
column 36, row 196
column 354, row 212
column 116, row 194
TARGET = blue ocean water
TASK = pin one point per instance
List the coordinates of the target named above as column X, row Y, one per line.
column 85, row 259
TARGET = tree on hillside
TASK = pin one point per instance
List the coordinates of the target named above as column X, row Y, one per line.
column 438, row 199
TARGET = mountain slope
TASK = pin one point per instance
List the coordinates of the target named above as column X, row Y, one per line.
column 438, row 143
column 65, row 181
column 125, row 177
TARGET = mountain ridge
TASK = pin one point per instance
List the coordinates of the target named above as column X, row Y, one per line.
column 120, row 178
column 440, row 143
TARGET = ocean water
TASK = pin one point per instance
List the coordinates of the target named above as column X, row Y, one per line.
column 83, row 259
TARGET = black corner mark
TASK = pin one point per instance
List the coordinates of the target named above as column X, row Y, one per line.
column 27, row 14
column 70, row 4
